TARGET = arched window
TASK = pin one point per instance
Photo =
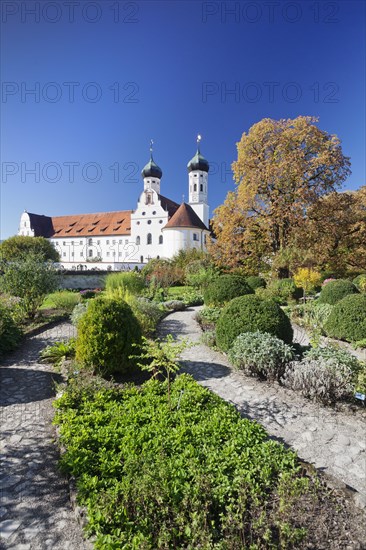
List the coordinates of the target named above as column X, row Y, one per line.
column 195, row 187
column 90, row 242
column 141, row 259
column 161, row 239
column 149, row 238
column 137, row 240
column 201, row 187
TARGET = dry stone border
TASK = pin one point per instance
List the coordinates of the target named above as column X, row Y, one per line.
column 35, row 509
column 334, row 442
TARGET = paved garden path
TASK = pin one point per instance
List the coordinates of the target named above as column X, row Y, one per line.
column 332, row 441
column 35, row 510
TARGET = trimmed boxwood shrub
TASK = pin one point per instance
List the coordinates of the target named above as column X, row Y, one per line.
column 334, row 291
column 106, row 333
column 251, row 314
column 360, row 282
column 10, row 334
column 255, row 282
column 347, row 320
column 225, row 288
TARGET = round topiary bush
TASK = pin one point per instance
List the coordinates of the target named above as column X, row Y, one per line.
column 360, row 282
column 334, row 291
column 255, row 282
column 10, row 334
column 347, row 320
column 251, row 314
column 106, row 333
column 225, row 288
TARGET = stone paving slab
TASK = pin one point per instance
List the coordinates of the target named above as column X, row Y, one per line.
column 35, row 509
column 333, row 442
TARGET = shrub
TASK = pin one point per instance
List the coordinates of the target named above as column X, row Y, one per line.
column 148, row 313
column 308, row 279
column 361, row 380
column 89, row 293
column 347, row 320
column 360, row 282
column 105, row 336
column 30, row 278
column 10, row 334
column 199, row 276
column 208, row 338
column 225, row 288
column 281, row 291
column 207, row 317
column 128, row 281
column 325, row 374
column 175, row 305
column 255, row 282
column 64, row 300
column 260, row 354
column 78, row 311
column 251, row 314
column 334, row 291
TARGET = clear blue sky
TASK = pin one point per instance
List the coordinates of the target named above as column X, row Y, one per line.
column 164, row 70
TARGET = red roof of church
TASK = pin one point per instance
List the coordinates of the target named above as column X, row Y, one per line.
column 185, row 216
column 82, row 225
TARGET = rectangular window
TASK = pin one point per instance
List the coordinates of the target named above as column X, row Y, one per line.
column 114, row 253
column 72, row 254
column 64, row 254
column 108, row 254
column 98, row 242
column 81, row 242
column 107, row 242
column 113, row 242
column 195, row 237
column 120, row 241
column 64, row 243
column 90, row 253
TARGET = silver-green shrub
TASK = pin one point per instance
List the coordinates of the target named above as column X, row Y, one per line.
column 260, row 354
column 175, row 305
column 78, row 311
column 208, row 338
column 325, row 374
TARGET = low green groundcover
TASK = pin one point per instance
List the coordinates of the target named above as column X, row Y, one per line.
column 192, row 474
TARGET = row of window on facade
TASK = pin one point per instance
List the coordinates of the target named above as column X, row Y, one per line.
column 195, row 187
column 149, row 239
column 91, row 254
column 90, row 242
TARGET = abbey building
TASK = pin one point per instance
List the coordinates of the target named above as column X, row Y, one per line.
column 157, row 228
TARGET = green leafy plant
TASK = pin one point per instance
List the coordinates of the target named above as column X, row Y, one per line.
column 190, row 475
column 130, row 281
column 10, row 333
column 347, row 320
column 260, row 354
column 58, row 352
column 225, row 288
column 281, row 291
column 207, row 317
column 334, row 291
column 106, row 333
column 208, row 338
column 360, row 282
column 64, row 300
column 251, row 314
column 160, row 357
column 78, row 311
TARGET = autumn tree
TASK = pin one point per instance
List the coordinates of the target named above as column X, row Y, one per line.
column 283, row 168
column 19, row 246
column 335, row 232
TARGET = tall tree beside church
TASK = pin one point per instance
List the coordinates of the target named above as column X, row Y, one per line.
column 335, row 232
column 283, row 168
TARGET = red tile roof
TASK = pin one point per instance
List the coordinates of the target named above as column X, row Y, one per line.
column 82, row 225
column 185, row 216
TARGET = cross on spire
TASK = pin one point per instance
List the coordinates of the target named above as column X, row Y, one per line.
column 151, row 147
column 199, row 137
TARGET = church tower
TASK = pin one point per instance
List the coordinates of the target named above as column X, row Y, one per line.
column 152, row 174
column 198, row 168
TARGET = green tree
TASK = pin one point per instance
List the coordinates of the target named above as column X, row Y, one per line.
column 31, row 279
column 20, row 246
column 283, row 168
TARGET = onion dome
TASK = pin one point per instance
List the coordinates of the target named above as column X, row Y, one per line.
column 151, row 170
column 198, row 162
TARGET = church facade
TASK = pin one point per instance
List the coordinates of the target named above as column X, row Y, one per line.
column 157, row 228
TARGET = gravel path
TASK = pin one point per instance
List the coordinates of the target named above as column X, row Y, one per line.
column 333, row 442
column 35, row 510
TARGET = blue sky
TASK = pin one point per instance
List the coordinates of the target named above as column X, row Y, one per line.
column 107, row 76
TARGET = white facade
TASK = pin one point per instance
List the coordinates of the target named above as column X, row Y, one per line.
column 145, row 237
